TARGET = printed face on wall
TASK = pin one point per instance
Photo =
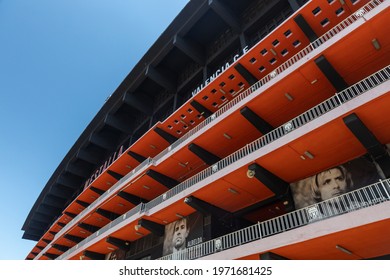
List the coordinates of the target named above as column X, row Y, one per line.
column 183, row 233
column 334, row 182
column 331, row 183
column 180, row 234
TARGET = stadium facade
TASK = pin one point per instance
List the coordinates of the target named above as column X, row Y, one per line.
column 251, row 129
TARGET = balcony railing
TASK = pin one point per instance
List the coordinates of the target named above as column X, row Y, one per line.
column 328, row 35
column 273, row 135
column 340, row 98
column 308, row 116
column 107, row 194
column 287, row 64
column 352, row 201
column 101, row 231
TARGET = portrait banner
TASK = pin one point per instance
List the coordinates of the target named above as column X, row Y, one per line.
column 334, row 181
column 183, row 233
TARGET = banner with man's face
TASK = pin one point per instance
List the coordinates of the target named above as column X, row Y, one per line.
column 334, row 181
column 183, row 233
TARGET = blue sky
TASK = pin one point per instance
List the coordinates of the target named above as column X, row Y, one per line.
column 59, row 61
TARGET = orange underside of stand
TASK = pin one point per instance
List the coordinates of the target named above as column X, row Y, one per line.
column 332, row 144
column 366, row 241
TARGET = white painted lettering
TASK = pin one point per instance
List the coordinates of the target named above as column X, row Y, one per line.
column 219, row 71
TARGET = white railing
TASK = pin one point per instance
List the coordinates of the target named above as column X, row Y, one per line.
column 128, row 215
column 342, row 97
column 116, row 187
column 328, row 35
column 287, row 64
column 104, row 196
column 352, row 201
column 265, row 139
column 308, row 116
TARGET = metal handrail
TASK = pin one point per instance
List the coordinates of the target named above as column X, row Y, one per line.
column 325, row 37
column 287, row 64
column 361, row 198
column 128, row 215
column 344, row 96
column 116, row 187
column 308, row 116
column 105, row 195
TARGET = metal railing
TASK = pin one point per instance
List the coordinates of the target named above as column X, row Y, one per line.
column 287, row 64
column 328, row 35
column 273, row 135
column 308, row 116
column 340, row 98
column 128, row 215
column 105, row 195
column 116, row 187
column 352, row 201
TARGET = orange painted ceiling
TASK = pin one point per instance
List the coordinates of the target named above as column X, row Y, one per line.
column 365, row 242
column 270, row 105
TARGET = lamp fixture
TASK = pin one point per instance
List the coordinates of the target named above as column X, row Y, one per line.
column 314, row 81
column 227, row 136
column 146, row 187
column 250, row 173
column 376, row 44
column 183, row 164
column 309, row 155
column 110, row 248
column 137, row 227
column 233, row 191
column 272, row 51
column 129, row 167
column 152, row 146
column 179, row 215
column 139, row 233
column 289, row 96
column 338, row 247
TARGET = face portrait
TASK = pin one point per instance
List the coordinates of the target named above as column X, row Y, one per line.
column 332, row 183
column 335, row 181
column 180, row 234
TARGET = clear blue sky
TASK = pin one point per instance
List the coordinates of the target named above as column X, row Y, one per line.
column 59, row 61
